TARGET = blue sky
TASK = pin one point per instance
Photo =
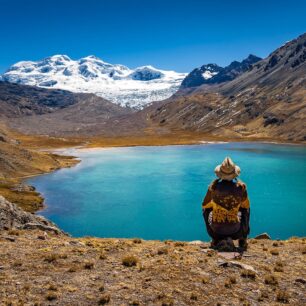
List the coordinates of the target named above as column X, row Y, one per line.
column 168, row 34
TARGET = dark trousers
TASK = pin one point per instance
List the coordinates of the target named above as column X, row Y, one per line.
column 242, row 233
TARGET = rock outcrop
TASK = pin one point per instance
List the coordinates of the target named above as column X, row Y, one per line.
column 13, row 217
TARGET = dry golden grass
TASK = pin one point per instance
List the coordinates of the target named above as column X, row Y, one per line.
column 51, row 296
column 137, row 240
column 29, row 201
column 129, row 261
column 274, row 252
column 263, row 295
column 282, row 296
column 20, row 161
column 89, row 265
column 71, row 272
column 104, row 299
column 279, row 266
column 175, row 138
column 271, row 279
column 46, row 142
column 248, row 274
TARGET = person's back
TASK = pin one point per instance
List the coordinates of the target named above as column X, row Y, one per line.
column 226, row 207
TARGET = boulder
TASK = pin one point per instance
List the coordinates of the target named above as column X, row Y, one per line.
column 230, row 255
column 236, row 264
column 263, row 236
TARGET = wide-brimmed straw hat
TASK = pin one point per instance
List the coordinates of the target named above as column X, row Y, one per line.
column 227, row 170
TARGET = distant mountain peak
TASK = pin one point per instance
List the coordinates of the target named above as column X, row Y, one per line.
column 214, row 74
column 253, row 57
column 200, row 75
column 93, row 57
column 61, row 56
column 115, row 82
column 211, row 66
column 57, row 57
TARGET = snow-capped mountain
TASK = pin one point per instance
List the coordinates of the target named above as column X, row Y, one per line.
column 117, row 83
column 214, row 74
column 208, row 71
column 200, row 75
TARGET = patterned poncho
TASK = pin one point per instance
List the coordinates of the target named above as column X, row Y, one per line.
column 225, row 199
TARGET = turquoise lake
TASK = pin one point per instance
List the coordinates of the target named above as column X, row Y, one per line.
column 156, row 192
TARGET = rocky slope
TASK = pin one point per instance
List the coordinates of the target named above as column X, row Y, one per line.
column 201, row 75
column 12, row 217
column 18, row 101
column 40, row 267
column 50, row 111
column 117, row 83
column 267, row 101
column 88, row 117
column 17, row 161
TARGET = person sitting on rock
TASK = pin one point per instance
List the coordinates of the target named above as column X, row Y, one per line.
column 226, row 206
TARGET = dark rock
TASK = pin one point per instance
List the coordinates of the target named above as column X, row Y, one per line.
column 272, row 62
column 195, row 77
column 263, row 236
column 301, row 59
column 234, row 69
column 11, row 239
column 300, row 280
column 270, row 119
column 146, row 74
column 225, row 246
column 40, row 226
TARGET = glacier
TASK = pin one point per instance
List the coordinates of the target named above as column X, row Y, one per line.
column 135, row 88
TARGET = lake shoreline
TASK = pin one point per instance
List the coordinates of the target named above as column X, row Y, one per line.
column 203, row 159
column 136, row 271
column 54, row 146
column 90, row 147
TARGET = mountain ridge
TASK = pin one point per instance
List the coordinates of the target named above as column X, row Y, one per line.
column 213, row 74
column 265, row 102
column 117, row 83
